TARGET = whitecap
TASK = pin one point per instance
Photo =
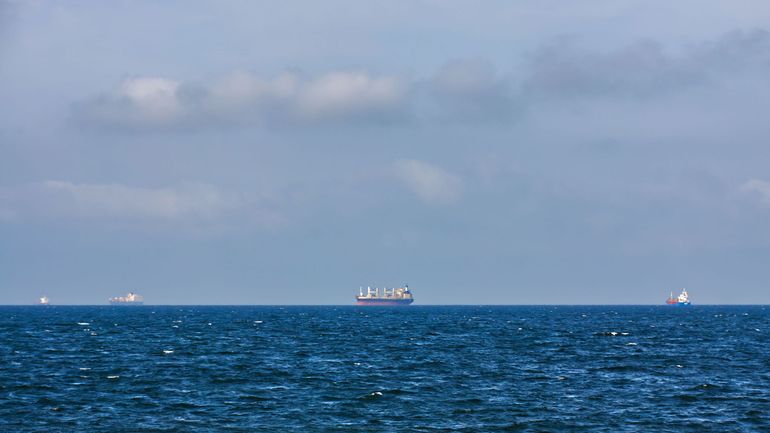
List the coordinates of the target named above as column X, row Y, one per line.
column 257, row 321
column 83, row 323
column 167, row 352
column 679, row 366
column 113, row 377
column 631, row 344
column 84, row 368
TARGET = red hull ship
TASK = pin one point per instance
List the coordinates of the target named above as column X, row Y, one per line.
column 682, row 300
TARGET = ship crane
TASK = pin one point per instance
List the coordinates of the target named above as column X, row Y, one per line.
column 388, row 296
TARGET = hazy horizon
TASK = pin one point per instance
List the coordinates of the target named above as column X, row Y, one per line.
column 510, row 153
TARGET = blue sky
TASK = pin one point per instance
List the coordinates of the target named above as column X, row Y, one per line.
column 288, row 153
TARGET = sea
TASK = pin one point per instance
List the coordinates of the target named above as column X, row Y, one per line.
column 375, row 369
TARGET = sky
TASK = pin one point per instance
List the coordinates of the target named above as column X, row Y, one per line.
column 496, row 152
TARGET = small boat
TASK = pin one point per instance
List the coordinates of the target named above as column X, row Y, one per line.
column 682, row 300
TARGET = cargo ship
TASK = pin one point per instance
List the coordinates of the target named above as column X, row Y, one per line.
column 682, row 300
column 43, row 300
column 130, row 299
column 388, row 297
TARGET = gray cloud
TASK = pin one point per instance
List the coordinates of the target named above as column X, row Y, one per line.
column 563, row 70
column 471, row 90
column 460, row 91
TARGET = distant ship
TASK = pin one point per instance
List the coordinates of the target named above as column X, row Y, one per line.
column 130, row 299
column 388, row 297
column 681, row 301
column 43, row 300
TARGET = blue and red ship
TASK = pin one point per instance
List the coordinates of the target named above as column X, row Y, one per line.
column 396, row 296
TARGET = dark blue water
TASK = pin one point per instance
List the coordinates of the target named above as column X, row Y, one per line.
column 424, row 369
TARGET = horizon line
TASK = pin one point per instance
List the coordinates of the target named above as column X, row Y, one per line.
column 368, row 306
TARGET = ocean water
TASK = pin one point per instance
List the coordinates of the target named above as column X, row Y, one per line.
column 352, row 369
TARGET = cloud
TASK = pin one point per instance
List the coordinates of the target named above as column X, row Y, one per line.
column 759, row 189
column 138, row 102
column 58, row 199
column 460, row 91
column 430, row 183
column 734, row 52
column 564, row 71
column 245, row 99
column 345, row 94
column 471, row 89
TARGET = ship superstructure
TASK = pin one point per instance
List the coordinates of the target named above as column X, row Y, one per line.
column 682, row 300
column 385, row 296
column 43, row 300
column 130, row 299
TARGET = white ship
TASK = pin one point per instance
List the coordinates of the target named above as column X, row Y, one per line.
column 130, row 299
column 43, row 300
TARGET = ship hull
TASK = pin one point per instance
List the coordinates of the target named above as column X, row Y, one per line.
column 127, row 304
column 384, row 302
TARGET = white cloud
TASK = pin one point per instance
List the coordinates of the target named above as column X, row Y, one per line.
column 154, row 98
column 350, row 93
column 58, row 199
column 243, row 98
column 140, row 102
column 759, row 189
column 432, row 184
column 242, row 93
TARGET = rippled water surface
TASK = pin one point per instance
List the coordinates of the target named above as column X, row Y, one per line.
column 424, row 369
